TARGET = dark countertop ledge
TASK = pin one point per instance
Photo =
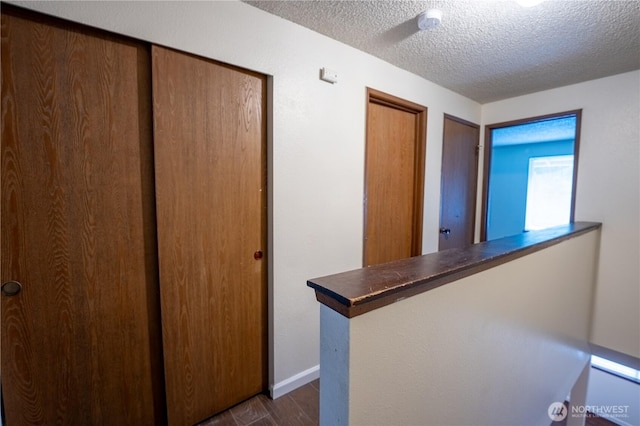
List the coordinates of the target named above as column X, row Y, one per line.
column 362, row 290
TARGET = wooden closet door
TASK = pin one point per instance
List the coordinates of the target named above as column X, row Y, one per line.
column 210, row 156
column 80, row 342
column 394, row 178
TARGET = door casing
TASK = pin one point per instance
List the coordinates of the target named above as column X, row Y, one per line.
column 394, row 178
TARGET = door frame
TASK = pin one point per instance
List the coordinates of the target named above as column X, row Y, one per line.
column 420, row 146
column 488, row 148
column 475, row 173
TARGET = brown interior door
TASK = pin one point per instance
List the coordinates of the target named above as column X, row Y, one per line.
column 81, row 341
column 394, row 178
column 210, row 157
column 458, row 183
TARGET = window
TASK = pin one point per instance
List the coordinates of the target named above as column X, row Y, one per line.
column 549, row 189
column 530, row 174
column 615, row 368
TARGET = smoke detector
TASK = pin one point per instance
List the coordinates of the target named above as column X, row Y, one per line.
column 429, row 19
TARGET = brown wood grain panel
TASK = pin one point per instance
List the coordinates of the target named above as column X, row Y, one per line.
column 210, row 162
column 458, row 182
column 77, row 343
column 394, row 169
column 389, row 197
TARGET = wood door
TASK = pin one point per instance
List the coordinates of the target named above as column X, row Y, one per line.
column 80, row 342
column 458, row 183
column 394, row 178
column 210, row 156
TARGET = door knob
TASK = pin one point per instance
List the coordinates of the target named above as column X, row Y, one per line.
column 11, row 288
column 257, row 255
column 445, row 231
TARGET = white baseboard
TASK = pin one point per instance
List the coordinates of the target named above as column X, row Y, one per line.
column 294, row 382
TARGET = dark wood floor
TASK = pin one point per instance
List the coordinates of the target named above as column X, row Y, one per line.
column 297, row 408
column 300, row 408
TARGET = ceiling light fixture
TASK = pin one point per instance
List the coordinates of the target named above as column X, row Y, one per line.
column 429, row 19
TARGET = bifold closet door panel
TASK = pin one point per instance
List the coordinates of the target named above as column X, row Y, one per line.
column 210, row 168
column 80, row 341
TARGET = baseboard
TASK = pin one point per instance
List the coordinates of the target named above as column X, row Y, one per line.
column 294, row 382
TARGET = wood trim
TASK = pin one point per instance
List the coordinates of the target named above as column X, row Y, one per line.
column 576, row 157
column 362, row 290
column 488, row 145
column 486, row 166
column 381, row 98
column 534, row 119
column 418, row 191
column 461, row 121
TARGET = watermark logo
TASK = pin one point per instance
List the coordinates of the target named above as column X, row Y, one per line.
column 557, row 411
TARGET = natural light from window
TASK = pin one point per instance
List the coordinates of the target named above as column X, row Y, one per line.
column 549, row 191
column 615, row 368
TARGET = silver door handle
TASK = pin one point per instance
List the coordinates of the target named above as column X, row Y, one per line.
column 445, row 231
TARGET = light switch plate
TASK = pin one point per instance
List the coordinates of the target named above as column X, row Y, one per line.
column 328, row 75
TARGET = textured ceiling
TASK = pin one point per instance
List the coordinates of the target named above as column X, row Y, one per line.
column 556, row 129
column 485, row 50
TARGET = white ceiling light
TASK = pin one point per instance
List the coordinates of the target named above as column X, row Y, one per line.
column 429, row 19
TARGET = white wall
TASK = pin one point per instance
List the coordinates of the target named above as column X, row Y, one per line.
column 608, row 190
column 608, row 393
column 494, row 348
column 318, row 134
